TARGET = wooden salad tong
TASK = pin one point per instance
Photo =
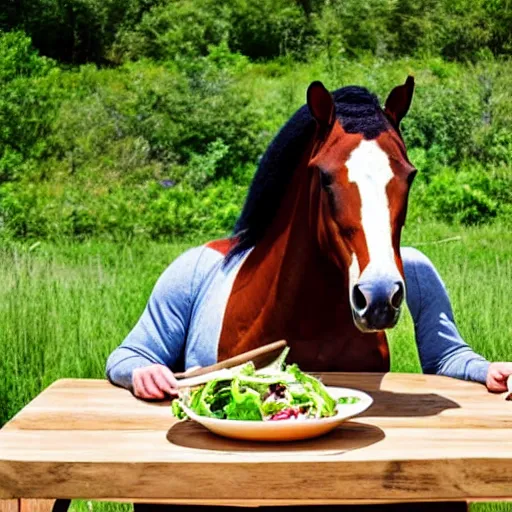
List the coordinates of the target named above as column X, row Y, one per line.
column 261, row 357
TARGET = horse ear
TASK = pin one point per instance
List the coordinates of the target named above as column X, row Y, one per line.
column 321, row 104
column 399, row 101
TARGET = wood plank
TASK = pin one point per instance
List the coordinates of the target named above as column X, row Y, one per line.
column 90, row 404
column 354, row 441
column 9, row 505
column 400, row 400
column 348, row 483
column 405, row 464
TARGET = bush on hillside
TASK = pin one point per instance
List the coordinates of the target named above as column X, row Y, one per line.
column 443, row 120
column 155, row 210
column 471, row 195
column 27, row 102
column 185, row 30
column 169, row 149
column 160, row 119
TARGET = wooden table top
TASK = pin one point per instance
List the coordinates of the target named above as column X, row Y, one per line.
column 425, row 438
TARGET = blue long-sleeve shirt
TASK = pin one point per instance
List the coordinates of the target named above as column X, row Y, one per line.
column 183, row 318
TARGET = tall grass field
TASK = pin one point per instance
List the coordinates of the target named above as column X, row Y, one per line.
column 65, row 307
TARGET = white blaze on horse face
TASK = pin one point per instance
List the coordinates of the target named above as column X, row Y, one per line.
column 353, row 272
column 369, row 168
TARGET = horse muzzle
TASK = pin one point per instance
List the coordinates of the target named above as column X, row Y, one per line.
column 376, row 304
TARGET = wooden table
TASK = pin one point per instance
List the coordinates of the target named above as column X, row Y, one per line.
column 426, row 438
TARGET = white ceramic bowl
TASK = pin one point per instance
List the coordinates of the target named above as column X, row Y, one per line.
column 286, row 430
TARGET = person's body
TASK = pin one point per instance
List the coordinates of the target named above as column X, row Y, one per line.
column 180, row 326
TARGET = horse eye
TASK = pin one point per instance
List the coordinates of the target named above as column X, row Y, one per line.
column 347, row 233
column 326, row 179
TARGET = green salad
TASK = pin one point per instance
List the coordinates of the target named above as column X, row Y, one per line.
column 276, row 392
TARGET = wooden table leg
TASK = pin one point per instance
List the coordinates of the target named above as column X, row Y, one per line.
column 9, row 505
column 36, row 505
column 61, row 505
column 26, row 505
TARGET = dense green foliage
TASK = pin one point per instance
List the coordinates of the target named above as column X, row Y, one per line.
column 112, row 31
column 146, row 118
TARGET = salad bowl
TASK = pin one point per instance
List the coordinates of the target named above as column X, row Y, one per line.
column 278, row 402
column 293, row 429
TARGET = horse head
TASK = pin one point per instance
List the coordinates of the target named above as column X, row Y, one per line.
column 362, row 175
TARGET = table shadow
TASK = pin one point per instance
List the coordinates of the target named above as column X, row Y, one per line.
column 347, row 437
column 392, row 404
column 388, row 404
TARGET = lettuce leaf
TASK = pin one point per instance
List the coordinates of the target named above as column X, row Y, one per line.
column 271, row 407
column 262, row 383
column 245, row 403
column 277, row 365
column 177, row 410
column 348, row 400
column 324, row 403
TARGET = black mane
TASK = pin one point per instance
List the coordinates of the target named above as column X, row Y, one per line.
column 357, row 109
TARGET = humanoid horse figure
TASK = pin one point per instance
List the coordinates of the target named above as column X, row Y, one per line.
column 314, row 258
column 322, row 222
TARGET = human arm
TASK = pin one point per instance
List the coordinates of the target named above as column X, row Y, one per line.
column 143, row 363
column 441, row 348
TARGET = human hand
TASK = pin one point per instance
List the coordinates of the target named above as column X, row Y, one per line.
column 497, row 377
column 154, row 382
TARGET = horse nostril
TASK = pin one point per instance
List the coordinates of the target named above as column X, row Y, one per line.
column 358, row 298
column 398, row 295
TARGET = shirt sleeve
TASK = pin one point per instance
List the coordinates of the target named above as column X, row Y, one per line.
column 441, row 348
column 160, row 334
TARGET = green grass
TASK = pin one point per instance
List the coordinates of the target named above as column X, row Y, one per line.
column 64, row 307
column 476, row 266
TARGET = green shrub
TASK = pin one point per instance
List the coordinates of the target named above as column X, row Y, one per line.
column 473, row 195
column 75, row 31
column 153, row 210
column 493, row 138
column 268, row 28
column 19, row 59
column 353, row 27
column 174, row 30
column 27, row 104
column 114, row 31
column 160, row 122
column 443, row 120
column 185, row 30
